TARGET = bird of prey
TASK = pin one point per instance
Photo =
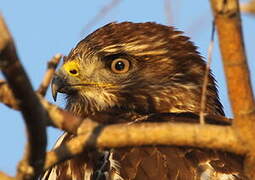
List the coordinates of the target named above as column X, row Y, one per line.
column 124, row 72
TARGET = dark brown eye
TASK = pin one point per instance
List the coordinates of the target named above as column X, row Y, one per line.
column 120, row 66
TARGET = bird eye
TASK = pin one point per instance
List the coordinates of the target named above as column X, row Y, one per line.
column 120, row 66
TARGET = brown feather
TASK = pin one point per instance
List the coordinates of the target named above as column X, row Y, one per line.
column 165, row 76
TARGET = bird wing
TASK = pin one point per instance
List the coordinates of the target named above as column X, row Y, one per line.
column 164, row 163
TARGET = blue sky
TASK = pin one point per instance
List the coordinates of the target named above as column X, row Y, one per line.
column 43, row 28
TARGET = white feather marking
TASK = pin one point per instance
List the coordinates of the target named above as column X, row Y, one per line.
column 52, row 174
column 60, row 140
column 209, row 173
column 114, row 168
column 88, row 174
column 222, row 176
column 135, row 46
column 111, row 48
column 69, row 171
column 176, row 35
column 155, row 52
column 113, row 163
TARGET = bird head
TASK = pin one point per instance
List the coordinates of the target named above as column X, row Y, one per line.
column 142, row 67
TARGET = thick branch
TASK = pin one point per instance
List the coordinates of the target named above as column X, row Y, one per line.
column 176, row 134
column 34, row 114
column 228, row 23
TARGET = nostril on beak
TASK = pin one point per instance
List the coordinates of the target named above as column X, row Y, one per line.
column 73, row 71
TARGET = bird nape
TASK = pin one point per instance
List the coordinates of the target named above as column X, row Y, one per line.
column 123, row 72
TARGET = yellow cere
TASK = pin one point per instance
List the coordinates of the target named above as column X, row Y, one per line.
column 72, row 68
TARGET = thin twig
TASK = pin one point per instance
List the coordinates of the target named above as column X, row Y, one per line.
column 248, row 7
column 100, row 15
column 6, row 96
column 52, row 65
column 207, row 71
column 168, row 12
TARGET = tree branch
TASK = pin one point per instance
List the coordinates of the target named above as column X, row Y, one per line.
column 58, row 117
column 6, row 96
column 4, row 176
column 248, row 7
column 90, row 134
column 93, row 135
column 33, row 113
column 228, row 23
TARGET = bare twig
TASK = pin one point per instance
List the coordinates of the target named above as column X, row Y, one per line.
column 205, row 83
column 52, row 65
column 32, row 111
column 100, row 15
column 228, row 23
column 248, row 7
column 168, row 12
column 6, row 96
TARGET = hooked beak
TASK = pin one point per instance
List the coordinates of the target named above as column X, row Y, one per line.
column 55, row 86
column 58, row 85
